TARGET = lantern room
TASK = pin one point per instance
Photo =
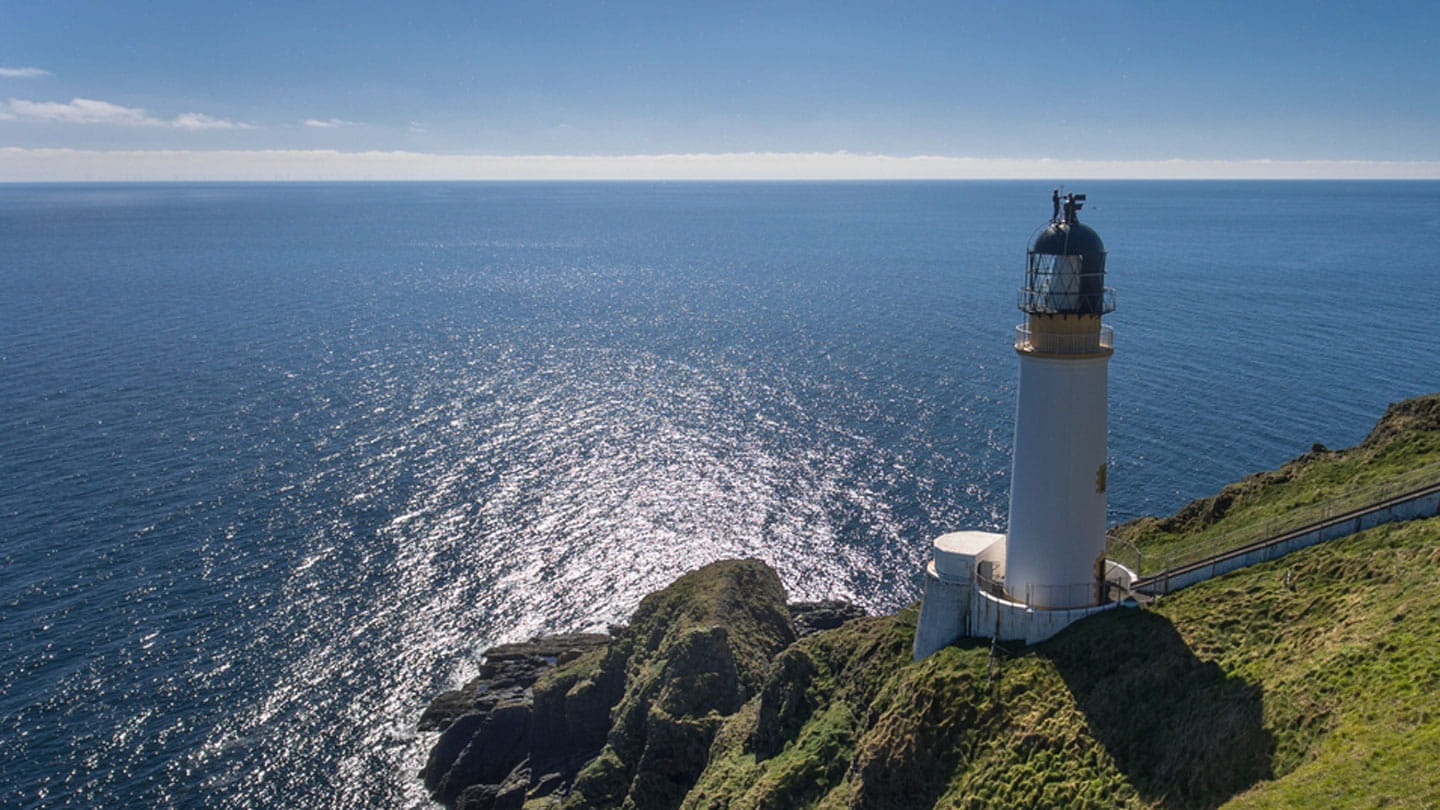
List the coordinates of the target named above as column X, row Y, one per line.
column 1065, row 271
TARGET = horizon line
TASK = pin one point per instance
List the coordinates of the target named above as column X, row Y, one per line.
column 55, row 164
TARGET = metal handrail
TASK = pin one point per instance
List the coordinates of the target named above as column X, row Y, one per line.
column 1096, row 342
column 995, row 586
column 1305, row 517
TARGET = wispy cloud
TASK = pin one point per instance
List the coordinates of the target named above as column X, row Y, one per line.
column 22, row 72
column 21, row 164
column 203, row 121
column 329, row 123
column 82, row 111
column 92, row 111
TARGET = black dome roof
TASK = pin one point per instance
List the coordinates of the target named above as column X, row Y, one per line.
column 1067, row 239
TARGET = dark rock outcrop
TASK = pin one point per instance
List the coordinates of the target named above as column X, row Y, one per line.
column 507, row 674
column 812, row 617
column 1405, row 419
column 627, row 719
column 513, row 720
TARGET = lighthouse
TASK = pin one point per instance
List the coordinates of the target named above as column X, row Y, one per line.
column 1049, row 568
column 1055, row 546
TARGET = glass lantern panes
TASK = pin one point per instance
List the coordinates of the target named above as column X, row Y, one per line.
column 1064, row 285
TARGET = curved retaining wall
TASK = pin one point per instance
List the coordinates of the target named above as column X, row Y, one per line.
column 993, row 617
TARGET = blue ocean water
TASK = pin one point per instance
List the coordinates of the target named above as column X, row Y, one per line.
column 277, row 461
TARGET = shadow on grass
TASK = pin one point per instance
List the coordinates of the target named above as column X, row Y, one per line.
column 1183, row 733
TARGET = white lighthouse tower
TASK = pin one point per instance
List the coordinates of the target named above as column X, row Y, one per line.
column 1054, row 550
column 1049, row 569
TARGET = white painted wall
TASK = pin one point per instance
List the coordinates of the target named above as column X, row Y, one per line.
column 949, row 581
column 1011, row 621
column 944, row 614
column 1057, row 518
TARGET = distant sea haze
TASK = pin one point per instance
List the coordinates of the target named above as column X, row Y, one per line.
column 19, row 164
column 277, row 461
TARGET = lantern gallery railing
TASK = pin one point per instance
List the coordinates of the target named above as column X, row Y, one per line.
column 1050, row 299
column 1100, row 340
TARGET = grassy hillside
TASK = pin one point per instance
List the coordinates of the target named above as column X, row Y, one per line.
column 1344, row 641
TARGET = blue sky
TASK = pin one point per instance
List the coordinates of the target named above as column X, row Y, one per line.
column 909, row 88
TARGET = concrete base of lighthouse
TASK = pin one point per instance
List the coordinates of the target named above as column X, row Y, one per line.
column 963, row 597
column 950, row 585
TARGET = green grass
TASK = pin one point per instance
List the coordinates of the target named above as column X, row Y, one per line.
column 1344, row 641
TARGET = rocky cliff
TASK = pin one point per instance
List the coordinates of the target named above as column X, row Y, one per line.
column 624, row 719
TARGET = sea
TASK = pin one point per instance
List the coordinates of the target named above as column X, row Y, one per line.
column 278, row 461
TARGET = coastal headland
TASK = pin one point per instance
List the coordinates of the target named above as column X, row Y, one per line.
column 1310, row 680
